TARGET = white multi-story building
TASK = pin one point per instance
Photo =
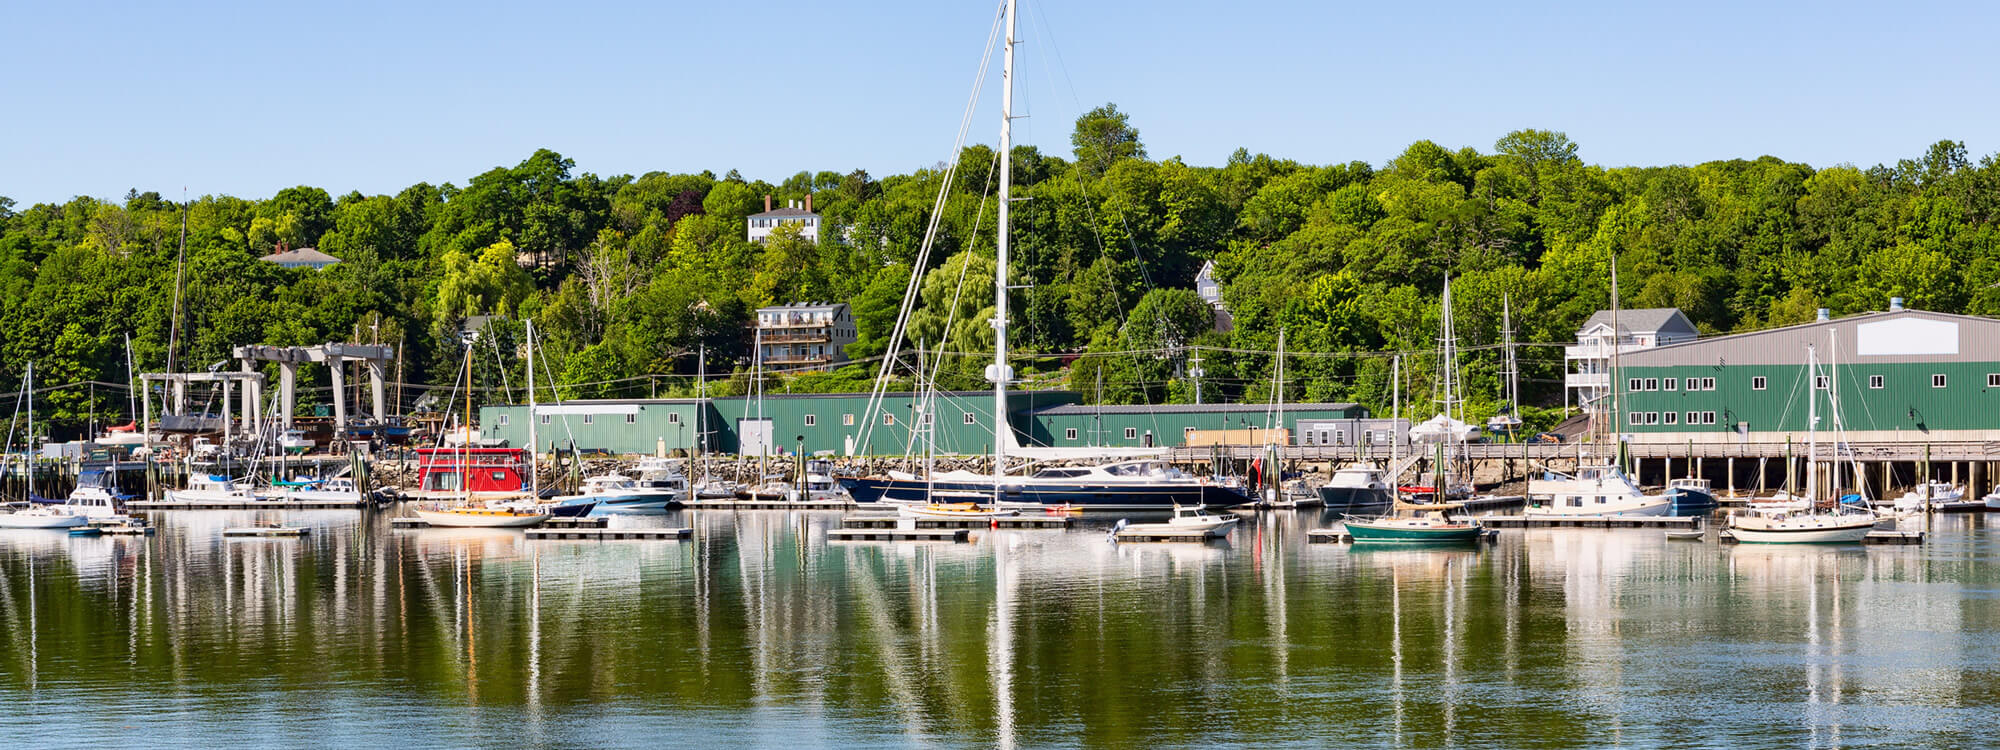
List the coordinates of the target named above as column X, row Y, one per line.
column 1588, row 363
column 804, row 336
column 1210, row 291
column 794, row 212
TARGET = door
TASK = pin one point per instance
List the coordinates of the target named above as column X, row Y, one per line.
column 754, row 437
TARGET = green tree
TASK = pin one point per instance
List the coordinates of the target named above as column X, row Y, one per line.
column 1103, row 137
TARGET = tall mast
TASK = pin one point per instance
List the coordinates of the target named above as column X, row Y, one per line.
column 534, row 438
column 1617, row 413
column 1395, row 410
column 1812, row 427
column 999, row 373
column 700, row 407
column 1513, row 368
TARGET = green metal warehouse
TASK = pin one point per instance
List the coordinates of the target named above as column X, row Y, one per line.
column 836, row 423
column 1899, row 375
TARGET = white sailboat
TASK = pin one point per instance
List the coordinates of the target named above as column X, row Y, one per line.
column 1843, row 523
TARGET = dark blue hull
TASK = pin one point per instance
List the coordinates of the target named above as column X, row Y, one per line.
column 1355, row 498
column 1082, row 496
column 572, row 510
column 1690, row 502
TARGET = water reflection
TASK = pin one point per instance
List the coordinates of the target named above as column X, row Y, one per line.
column 757, row 630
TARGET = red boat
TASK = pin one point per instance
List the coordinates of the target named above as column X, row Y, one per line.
column 494, row 473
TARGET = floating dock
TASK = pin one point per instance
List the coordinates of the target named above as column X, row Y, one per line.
column 141, row 505
column 1338, row 535
column 764, row 505
column 604, row 533
column 266, row 531
column 1172, row 535
column 898, row 535
column 585, row 522
column 1599, row 522
column 1007, row 522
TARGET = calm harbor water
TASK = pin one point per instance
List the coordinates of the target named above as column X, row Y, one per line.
column 759, row 632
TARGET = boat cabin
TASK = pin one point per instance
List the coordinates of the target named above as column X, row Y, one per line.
column 484, row 469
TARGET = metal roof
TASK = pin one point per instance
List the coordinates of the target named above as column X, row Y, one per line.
column 1188, row 408
column 300, row 255
column 1897, row 335
column 783, row 213
column 1645, row 320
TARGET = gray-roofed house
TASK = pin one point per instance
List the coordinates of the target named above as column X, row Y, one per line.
column 1589, row 361
column 304, row 257
column 793, row 212
column 1210, row 291
column 804, row 336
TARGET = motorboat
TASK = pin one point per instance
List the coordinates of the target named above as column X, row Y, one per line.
column 1992, row 500
column 1843, row 526
column 96, row 495
column 1592, row 492
column 1357, row 488
column 480, row 517
column 1187, row 521
column 336, row 489
column 1938, row 496
column 821, row 488
column 716, row 489
column 295, row 442
column 43, row 517
column 617, row 493
column 212, row 488
column 1149, row 484
column 661, row 476
column 1691, row 496
column 570, row 507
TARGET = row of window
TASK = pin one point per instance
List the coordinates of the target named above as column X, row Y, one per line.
column 1876, row 382
column 1131, row 433
column 775, row 222
column 592, row 419
column 1668, row 384
column 1671, row 417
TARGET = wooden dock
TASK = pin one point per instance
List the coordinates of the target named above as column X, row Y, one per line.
column 126, row 530
column 1603, row 522
column 898, row 535
column 266, row 531
column 1008, row 522
column 763, row 505
column 146, row 505
column 602, row 533
column 1172, row 535
column 585, row 522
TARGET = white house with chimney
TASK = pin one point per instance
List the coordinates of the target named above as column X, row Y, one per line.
column 793, row 212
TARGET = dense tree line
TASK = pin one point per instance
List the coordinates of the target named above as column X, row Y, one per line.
column 629, row 276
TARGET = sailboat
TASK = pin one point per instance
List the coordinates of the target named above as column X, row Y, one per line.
column 465, row 514
column 39, row 514
column 1148, row 484
column 1843, row 524
column 1412, row 523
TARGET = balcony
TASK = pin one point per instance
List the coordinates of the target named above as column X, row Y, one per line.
column 798, row 322
column 1598, row 351
column 1588, row 380
column 797, row 336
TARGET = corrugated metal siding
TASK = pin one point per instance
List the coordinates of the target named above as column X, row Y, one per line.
column 1978, row 341
column 1905, row 402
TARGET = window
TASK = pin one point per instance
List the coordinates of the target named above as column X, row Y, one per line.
column 631, row 419
column 545, row 419
column 1694, row 417
column 1069, row 433
column 1672, row 384
column 1131, row 433
column 1309, row 438
column 970, row 418
column 587, row 418
column 1187, row 432
column 1652, row 384
column 1708, row 384
column 1819, row 382
column 1635, row 418
column 847, row 420
column 1652, row 417
column 930, row 418
column 1635, row 384
column 1757, row 383
column 1708, row 417
column 503, row 420
column 1992, row 381
column 888, row 419
column 673, row 417
column 1937, row 381
column 812, row 420
column 1673, row 416
column 1875, row 382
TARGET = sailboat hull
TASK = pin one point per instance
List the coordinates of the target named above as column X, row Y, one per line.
column 1082, row 496
column 1355, row 498
column 1393, row 533
column 1851, row 533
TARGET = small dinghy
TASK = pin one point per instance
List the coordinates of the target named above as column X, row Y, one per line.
column 1686, row 535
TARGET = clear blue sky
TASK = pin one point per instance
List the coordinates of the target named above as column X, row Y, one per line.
column 248, row 98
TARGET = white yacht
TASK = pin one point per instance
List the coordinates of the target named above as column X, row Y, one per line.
column 1190, row 519
column 1593, row 492
column 43, row 517
column 1936, row 496
column 211, row 488
column 617, row 493
column 340, row 489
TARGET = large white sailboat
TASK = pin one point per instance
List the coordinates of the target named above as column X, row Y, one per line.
column 1122, row 485
column 1842, row 523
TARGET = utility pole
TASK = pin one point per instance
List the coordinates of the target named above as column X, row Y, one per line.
column 1195, row 371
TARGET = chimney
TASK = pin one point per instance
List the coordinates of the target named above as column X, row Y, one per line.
column 809, row 202
column 1895, row 304
column 767, row 202
column 1825, row 315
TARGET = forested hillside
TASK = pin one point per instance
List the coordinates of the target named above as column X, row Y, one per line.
column 628, row 277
